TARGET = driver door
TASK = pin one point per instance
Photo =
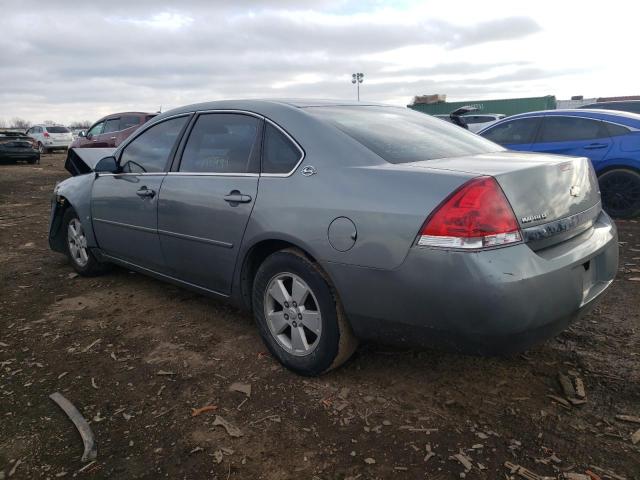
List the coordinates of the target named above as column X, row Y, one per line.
column 124, row 205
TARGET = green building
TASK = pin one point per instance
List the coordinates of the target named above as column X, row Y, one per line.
column 507, row 106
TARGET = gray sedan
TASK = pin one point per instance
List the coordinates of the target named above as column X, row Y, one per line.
column 335, row 222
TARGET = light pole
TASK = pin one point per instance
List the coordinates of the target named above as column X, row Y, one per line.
column 357, row 78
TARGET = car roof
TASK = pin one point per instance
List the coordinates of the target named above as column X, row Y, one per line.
column 262, row 105
column 615, row 116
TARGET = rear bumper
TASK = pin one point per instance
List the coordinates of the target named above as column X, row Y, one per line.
column 24, row 155
column 500, row 300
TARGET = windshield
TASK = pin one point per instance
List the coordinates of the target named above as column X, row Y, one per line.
column 400, row 135
column 57, row 130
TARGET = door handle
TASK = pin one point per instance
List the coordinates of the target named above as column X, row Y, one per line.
column 112, row 138
column 145, row 192
column 236, row 197
column 595, row 146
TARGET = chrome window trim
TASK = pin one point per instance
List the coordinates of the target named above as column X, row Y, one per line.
column 118, row 151
column 212, row 174
column 131, row 174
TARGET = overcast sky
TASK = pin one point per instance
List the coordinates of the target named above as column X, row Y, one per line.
column 68, row 60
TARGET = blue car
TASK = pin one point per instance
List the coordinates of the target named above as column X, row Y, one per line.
column 610, row 139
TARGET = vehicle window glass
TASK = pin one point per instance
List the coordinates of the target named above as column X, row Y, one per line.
column 129, row 121
column 280, row 155
column 57, row 130
column 515, row 132
column 150, row 151
column 96, row 129
column 615, row 130
column 221, row 143
column 111, row 125
column 401, row 135
column 566, row 129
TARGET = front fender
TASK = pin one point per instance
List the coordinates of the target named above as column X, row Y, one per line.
column 74, row 192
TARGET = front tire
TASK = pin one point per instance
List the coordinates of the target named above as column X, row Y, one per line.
column 299, row 315
column 80, row 256
column 620, row 189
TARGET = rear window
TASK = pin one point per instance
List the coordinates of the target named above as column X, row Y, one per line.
column 58, row 130
column 400, row 135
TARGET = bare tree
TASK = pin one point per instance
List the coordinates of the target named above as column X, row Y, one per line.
column 20, row 123
column 80, row 124
column 3, row 124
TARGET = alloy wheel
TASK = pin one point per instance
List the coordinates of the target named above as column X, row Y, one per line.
column 77, row 242
column 293, row 314
column 620, row 192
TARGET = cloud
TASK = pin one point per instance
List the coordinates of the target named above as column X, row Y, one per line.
column 79, row 60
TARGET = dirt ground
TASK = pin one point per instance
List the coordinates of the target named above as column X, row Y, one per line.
column 136, row 356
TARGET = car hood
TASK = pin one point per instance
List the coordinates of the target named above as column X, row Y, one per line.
column 83, row 160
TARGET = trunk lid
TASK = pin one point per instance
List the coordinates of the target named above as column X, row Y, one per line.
column 552, row 196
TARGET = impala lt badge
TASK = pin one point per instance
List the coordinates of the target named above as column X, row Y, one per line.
column 574, row 191
column 534, row 218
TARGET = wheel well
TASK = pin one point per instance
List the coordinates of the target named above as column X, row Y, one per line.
column 56, row 238
column 254, row 258
column 617, row 167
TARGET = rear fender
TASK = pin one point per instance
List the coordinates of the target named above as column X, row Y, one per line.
column 74, row 192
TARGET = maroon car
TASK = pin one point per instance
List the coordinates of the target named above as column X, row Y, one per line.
column 112, row 130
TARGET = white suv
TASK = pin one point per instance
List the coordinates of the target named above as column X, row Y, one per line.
column 52, row 137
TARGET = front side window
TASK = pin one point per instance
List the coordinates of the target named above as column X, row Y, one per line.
column 221, row 143
column 111, row 125
column 570, row 129
column 96, row 129
column 515, row 132
column 149, row 152
column 401, row 135
column 280, row 155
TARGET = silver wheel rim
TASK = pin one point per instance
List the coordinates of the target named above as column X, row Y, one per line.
column 293, row 314
column 77, row 243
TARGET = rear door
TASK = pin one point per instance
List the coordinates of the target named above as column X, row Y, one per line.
column 124, row 206
column 567, row 135
column 516, row 134
column 205, row 204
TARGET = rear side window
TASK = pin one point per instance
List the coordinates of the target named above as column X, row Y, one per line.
column 280, row 155
column 570, row 129
column 401, row 135
column 111, row 125
column 222, row 143
column 514, row 132
column 149, row 152
column 616, row 130
column 58, row 130
column 129, row 121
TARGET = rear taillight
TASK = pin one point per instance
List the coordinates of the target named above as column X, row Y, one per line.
column 477, row 215
column 46, row 134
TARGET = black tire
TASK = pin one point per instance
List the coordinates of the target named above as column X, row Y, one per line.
column 620, row 189
column 89, row 268
column 335, row 344
column 41, row 148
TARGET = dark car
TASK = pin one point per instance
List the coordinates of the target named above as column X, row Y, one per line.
column 112, row 130
column 15, row 146
column 632, row 106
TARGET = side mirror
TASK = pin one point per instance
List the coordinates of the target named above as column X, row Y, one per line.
column 106, row 165
column 82, row 133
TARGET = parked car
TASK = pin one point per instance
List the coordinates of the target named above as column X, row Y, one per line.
column 15, row 146
column 632, row 106
column 337, row 221
column 610, row 139
column 51, row 137
column 112, row 130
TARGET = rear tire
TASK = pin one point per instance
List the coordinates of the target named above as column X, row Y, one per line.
column 41, row 148
column 80, row 256
column 299, row 315
column 620, row 189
